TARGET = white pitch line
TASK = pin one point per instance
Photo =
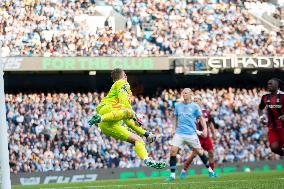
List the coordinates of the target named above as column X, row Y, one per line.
column 162, row 183
column 144, row 184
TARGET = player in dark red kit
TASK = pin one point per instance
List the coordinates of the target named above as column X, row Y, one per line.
column 273, row 101
column 205, row 141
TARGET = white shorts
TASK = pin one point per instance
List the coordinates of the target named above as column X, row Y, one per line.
column 191, row 140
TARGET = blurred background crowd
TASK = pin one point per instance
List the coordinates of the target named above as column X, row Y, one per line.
column 49, row 132
column 175, row 27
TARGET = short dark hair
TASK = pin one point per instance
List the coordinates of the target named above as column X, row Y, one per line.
column 280, row 82
column 116, row 74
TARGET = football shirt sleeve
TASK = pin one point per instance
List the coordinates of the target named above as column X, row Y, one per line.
column 124, row 93
column 198, row 112
column 176, row 110
column 262, row 103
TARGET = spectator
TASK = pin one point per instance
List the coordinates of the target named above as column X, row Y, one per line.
column 187, row 27
column 49, row 132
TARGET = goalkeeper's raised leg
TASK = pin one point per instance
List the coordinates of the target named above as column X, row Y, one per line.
column 115, row 108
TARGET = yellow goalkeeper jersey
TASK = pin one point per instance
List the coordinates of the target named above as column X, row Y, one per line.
column 119, row 94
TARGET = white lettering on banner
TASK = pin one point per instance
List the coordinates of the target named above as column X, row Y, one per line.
column 59, row 179
column 30, row 181
column 12, row 63
column 217, row 63
column 62, row 179
column 278, row 62
column 90, row 177
column 264, row 64
column 245, row 62
column 84, row 178
column 78, row 178
column 48, row 179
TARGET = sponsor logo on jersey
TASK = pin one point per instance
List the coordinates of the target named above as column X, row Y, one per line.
column 274, row 106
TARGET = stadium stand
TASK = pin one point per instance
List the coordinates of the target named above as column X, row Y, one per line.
column 49, row 132
column 187, row 27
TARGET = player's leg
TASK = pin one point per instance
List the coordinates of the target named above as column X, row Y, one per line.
column 211, row 159
column 194, row 142
column 173, row 162
column 176, row 142
column 207, row 145
column 139, row 130
column 274, row 139
column 139, row 145
column 110, row 113
column 205, row 161
column 189, row 161
column 186, row 165
column 119, row 114
column 141, row 151
column 116, row 130
column 282, row 140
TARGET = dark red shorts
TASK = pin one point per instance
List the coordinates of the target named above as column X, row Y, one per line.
column 276, row 135
column 206, row 143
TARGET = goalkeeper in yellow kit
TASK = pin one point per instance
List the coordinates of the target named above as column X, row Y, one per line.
column 115, row 108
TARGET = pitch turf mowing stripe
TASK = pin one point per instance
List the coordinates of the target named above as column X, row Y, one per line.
column 253, row 180
column 166, row 183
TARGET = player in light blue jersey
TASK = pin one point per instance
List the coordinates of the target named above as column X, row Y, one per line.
column 184, row 131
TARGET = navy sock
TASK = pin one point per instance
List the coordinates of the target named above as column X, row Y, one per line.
column 204, row 159
column 173, row 162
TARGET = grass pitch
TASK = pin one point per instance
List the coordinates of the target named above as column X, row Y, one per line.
column 252, row 180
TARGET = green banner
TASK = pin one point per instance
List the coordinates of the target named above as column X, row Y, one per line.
column 142, row 172
column 84, row 63
column 194, row 171
column 179, row 64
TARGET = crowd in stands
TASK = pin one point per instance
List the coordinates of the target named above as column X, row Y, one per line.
column 206, row 27
column 49, row 132
column 176, row 27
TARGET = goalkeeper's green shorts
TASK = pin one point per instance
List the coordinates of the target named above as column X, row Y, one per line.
column 115, row 128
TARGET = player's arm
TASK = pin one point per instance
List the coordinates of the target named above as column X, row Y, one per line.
column 213, row 130
column 175, row 120
column 199, row 116
column 261, row 108
column 212, row 127
column 174, row 126
column 282, row 103
column 124, row 93
column 204, row 126
column 262, row 104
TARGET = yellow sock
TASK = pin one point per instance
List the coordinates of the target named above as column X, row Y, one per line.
column 118, row 115
column 134, row 126
column 141, row 150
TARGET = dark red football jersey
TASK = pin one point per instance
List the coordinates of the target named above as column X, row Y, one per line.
column 207, row 117
column 275, row 108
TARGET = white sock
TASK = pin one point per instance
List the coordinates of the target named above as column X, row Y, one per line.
column 210, row 170
column 173, row 175
column 183, row 170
